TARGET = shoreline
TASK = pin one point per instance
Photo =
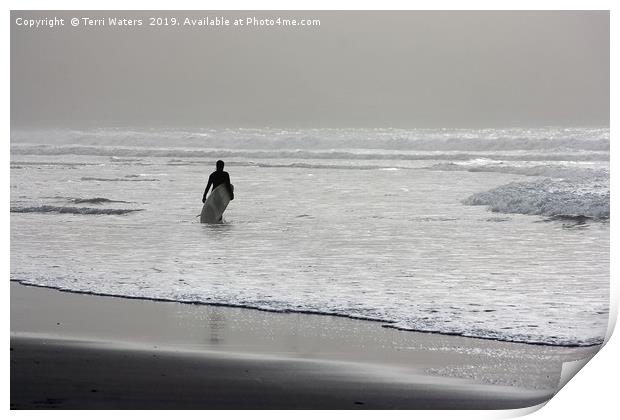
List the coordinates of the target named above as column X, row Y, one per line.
column 385, row 324
column 64, row 345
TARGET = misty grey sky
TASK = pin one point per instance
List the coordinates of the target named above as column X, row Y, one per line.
column 357, row 69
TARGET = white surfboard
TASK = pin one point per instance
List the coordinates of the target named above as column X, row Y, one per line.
column 215, row 205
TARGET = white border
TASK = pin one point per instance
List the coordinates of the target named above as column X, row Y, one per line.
column 592, row 394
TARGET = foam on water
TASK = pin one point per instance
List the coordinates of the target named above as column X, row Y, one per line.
column 367, row 154
column 565, row 189
column 545, row 198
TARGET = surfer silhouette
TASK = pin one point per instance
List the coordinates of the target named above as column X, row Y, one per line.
column 217, row 178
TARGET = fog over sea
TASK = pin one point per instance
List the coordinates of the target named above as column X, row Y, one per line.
column 490, row 233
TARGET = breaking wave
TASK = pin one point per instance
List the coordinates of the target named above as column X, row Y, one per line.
column 518, row 155
column 546, row 198
column 547, row 138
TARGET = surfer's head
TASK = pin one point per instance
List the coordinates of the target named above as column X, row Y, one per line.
column 219, row 165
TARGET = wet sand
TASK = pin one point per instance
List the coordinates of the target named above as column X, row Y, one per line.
column 81, row 351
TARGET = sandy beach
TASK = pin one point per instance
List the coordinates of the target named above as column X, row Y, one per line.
column 73, row 351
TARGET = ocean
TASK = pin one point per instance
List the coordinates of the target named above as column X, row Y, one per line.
column 492, row 233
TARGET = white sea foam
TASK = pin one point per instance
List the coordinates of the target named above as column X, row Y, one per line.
column 545, row 198
column 566, row 189
column 367, row 154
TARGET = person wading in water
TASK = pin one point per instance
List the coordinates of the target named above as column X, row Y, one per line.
column 217, row 178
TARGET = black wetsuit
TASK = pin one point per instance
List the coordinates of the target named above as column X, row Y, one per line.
column 215, row 179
